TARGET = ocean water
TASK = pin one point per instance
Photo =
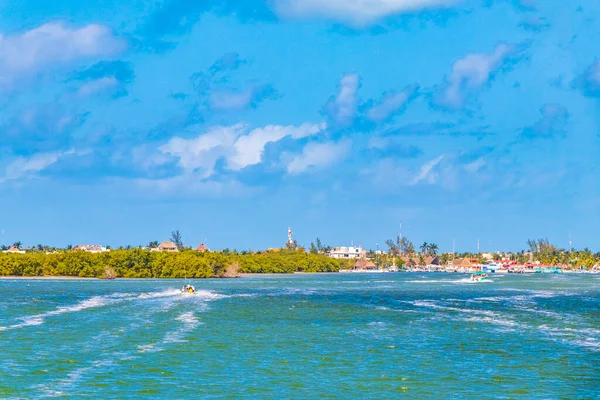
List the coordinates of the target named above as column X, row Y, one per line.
column 303, row 336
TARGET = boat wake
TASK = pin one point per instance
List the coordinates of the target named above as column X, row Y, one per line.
column 38, row 319
column 102, row 301
column 455, row 281
column 188, row 323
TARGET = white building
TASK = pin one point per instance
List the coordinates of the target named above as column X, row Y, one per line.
column 92, row 248
column 348, row 252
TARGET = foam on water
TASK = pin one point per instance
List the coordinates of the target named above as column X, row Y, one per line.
column 448, row 281
column 188, row 321
column 330, row 337
column 491, row 320
column 38, row 319
column 156, row 295
column 101, row 301
column 188, row 318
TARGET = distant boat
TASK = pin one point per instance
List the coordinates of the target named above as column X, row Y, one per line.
column 188, row 289
column 478, row 277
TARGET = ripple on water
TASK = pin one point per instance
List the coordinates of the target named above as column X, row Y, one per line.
column 111, row 299
column 307, row 337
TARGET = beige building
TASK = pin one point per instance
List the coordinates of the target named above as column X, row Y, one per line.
column 202, row 248
column 166, row 246
column 14, row 250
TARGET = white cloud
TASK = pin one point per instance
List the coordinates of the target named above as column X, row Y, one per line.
column 390, row 104
column 354, row 12
column 249, row 148
column 471, row 73
column 319, row 155
column 25, row 167
column 553, row 122
column 235, row 100
column 53, row 43
column 202, row 153
column 427, row 172
column 231, row 100
column 238, row 145
column 342, row 108
column 97, row 86
column 475, row 166
column 378, row 142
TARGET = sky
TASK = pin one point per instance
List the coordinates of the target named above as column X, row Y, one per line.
column 458, row 120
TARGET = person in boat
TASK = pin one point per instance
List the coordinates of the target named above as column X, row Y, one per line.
column 188, row 288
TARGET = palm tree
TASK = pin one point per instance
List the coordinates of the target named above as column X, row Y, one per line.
column 176, row 238
column 433, row 249
column 410, row 249
column 392, row 247
column 424, row 247
column 17, row 244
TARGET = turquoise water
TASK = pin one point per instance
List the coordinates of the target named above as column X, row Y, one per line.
column 303, row 336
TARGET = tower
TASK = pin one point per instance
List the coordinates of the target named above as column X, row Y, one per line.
column 290, row 240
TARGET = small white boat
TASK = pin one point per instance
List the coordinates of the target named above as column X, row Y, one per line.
column 188, row 289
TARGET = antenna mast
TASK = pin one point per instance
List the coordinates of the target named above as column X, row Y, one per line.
column 453, row 248
column 400, row 229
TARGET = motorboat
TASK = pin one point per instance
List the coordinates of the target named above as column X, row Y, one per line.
column 188, row 289
column 478, row 277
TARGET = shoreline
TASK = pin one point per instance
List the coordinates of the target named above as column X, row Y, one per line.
column 256, row 275
column 71, row 278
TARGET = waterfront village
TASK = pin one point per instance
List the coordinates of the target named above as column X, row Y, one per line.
column 401, row 256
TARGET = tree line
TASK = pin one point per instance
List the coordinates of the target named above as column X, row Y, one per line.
column 141, row 263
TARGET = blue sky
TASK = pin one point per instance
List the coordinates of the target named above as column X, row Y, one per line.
column 232, row 120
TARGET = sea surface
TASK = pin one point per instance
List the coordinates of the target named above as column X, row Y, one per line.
column 302, row 336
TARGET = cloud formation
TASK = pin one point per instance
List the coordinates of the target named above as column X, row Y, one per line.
column 53, row 43
column 427, row 173
column 390, row 104
column 318, row 155
column 552, row 123
column 470, row 74
column 173, row 18
column 28, row 167
column 239, row 146
column 41, row 127
column 589, row 81
column 354, row 12
column 342, row 108
column 215, row 93
column 105, row 77
column 236, row 100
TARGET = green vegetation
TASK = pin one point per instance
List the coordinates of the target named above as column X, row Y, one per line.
column 139, row 263
column 544, row 252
